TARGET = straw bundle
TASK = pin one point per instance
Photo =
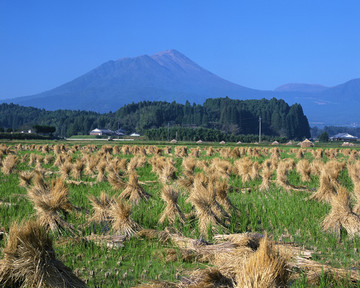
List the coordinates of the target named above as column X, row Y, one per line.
column 78, row 168
column 225, row 152
column 133, row 191
column 9, row 164
column 115, row 180
column 48, row 159
column 275, row 153
column 210, row 151
column 180, row 151
column 32, row 159
column 204, row 203
column 316, row 166
column 341, row 215
column 136, row 162
column 354, row 172
column 168, row 172
column 266, row 174
column 244, row 167
column 172, row 211
column 30, row 260
column 65, row 169
column 91, row 163
column 120, row 218
column 255, row 170
column 265, row 268
column 101, row 166
column 282, row 173
column 222, row 198
column 195, row 152
column 328, row 181
column 50, row 202
column 304, row 169
column 101, row 207
column 25, row 178
column 189, row 165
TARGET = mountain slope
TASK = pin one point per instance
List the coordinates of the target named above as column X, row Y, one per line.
column 168, row 75
column 171, row 76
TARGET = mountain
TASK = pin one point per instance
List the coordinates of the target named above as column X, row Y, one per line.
column 171, row 76
column 167, row 76
column 301, row 87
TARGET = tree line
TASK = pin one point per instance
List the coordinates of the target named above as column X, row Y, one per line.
column 232, row 117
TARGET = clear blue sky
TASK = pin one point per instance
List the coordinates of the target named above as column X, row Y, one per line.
column 258, row 44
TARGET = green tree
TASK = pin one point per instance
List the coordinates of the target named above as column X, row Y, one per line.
column 324, row 137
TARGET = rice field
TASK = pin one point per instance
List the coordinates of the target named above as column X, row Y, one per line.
column 178, row 216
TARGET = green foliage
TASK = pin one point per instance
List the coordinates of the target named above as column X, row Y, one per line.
column 44, row 129
column 324, row 137
column 236, row 117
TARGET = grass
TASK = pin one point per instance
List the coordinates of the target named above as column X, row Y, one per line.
column 284, row 216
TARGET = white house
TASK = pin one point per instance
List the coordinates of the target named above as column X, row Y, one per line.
column 100, row 132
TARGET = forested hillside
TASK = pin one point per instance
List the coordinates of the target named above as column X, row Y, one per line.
column 230, row 116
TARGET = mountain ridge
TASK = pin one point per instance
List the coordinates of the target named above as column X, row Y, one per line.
column 170, row 76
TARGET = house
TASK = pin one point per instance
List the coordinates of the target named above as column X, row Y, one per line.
column 120, row 132
column 343, row 137
column 101, row 132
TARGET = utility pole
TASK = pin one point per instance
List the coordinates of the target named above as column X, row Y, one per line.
column 259, row 129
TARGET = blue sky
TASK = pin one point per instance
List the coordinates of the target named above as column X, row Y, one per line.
column 258, row 44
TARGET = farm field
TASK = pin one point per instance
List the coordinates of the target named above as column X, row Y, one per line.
column 133, row 215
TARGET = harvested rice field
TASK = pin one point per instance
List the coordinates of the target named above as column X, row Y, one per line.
column 86, row 215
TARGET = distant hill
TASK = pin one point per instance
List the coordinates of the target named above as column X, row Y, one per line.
column 171, row 76
column 233, row 117
column 300, row 87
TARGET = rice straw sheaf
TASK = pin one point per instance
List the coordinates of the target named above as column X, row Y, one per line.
column 282, row 173
column 135, row 163
column 195, row 152
column 304, row 169
column 172, row 211
column 133, row 191
column 244, row 166
column 210, row 151
column 265, row 268
column 168, row 172
column 101, row 207
column 101, row 166
column 266, row 174
column 65, row 169
column 207, row 208
column 208, row 278
column 121, row 221
column 90, row 166
column 9, row 164
column 30, row 260
column 78, row 168
column 221, row 190
column 354, row 173
column 50, row 203
column 328, row 182
column 25, row 178
column 341, row 215
column 115, row 180
column 48, row 159
column 181, row 151
column 189, row 165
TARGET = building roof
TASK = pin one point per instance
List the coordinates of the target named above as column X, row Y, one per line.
column 103, row 131
column 343, row 136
